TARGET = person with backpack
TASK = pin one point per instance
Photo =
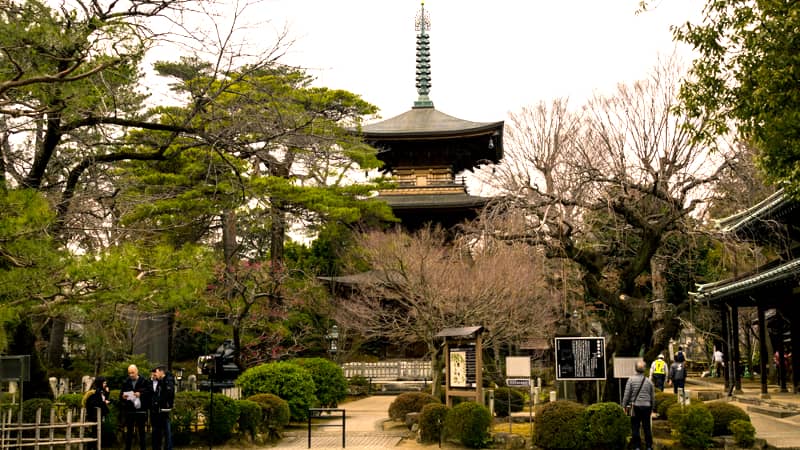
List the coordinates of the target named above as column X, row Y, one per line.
column 658, row 372
column 163, row 400
column 677, row 376
column 638, row 400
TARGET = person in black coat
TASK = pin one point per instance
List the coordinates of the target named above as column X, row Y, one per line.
column 98, row 399
column 135, row 399
column 163, row 399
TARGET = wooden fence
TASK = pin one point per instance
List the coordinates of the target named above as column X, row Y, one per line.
column 400, row 370
column 57, row 433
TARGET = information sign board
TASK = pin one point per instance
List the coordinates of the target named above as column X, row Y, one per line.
column 580, row 358
column 624, row 367
column 462, row 367
column 518, row 382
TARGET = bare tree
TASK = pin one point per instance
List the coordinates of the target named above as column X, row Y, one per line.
column 617, row 192
column 421, row 284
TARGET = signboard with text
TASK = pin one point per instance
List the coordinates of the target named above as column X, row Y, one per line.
column 580, row 358
column 462, row 367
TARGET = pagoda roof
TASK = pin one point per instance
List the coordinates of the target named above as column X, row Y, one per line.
column 428, row 123
column 771, row 207
column 434, row 201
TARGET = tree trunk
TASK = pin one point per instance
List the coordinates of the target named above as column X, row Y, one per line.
column 55, row 347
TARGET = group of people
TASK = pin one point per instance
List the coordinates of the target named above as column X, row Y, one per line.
column 140, row 399
column 640, row 393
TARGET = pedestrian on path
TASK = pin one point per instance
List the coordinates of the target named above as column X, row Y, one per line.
column 719, row 363
column 639, row 398
column 658, row 372
column 677, row 376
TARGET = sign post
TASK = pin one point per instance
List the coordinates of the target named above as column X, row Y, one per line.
column 581, row 359
column 518, row 374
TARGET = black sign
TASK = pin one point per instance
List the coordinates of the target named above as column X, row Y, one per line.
column 580, row 358
column 15, row 368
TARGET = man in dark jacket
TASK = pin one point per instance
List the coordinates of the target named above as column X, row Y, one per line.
column 162, row 405
column 677, row 376
column 136, row 395
column 639, row 399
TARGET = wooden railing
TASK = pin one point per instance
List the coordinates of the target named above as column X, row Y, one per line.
column 56, row 433
column 389, row 370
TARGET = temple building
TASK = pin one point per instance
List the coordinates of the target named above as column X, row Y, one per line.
column 772, row 289
column 425, row 150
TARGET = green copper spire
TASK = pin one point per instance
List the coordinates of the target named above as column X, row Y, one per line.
column 422, row 24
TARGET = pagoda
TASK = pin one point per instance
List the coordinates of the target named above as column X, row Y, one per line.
column 425, row 150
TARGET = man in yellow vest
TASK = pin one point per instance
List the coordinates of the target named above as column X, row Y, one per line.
column 658, row 372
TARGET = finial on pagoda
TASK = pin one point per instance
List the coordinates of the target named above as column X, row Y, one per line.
column 422, row 24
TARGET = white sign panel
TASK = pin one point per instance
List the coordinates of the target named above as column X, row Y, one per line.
column 518, row 366
column 624, row 367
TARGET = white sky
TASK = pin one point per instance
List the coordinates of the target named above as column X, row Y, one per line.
column 488, row 57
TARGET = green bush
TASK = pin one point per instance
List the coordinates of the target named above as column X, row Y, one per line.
column 117, row 372
column 607, row 426
column 30, row 406
column 71, row 401
column 358, row 385
column 501, row 401
column 224, row 417
column 431, row 422
column 329, row 380
column 409, row 402
column 692, row 424
column 287, row 380
column 560, row 425
column 469, row 423
column 743, row 432
column 275, row 413
column 249, row 417
column 724, row 413
column 664, row 404
column 188, row 406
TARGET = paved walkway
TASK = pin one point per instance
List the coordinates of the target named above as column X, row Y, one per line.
column 365, row 418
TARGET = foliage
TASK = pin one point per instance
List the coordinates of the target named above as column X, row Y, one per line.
column 505, row 397
column 250, row 417
column 560, row 425
column 72, row 401
column 743, row 432
column 692, row 424
column 117, row 372
column 607, row 426
column 664, row 401
column 186, row 410
column 431, row 422
column 469, row 423
column 409, row 402
column 275, row 413
column 331, row 385
column 225, row 416
column 745, row 77
column 724, row 413
column 283, row 379
column 31, row 405
column 358, row 385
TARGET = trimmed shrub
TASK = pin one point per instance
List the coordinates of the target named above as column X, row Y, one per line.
column 329, row 380
column 469, row 423
column 30, row 406
column 275, row 413
column 743, row 432
column 431, row 422
column 72, row 401
column 666, row 402
column 724, row 413
column 607, row 426
column 691, row 424
column 560, row 425
column 504, row 396
column 224, row 417
column 249, row 417
column 187, row 408
column 358, row 385
column 409, row 402
column 287, row 380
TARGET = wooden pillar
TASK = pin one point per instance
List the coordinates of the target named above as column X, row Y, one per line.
column 781, row 350
column 794, row 317
column 735, row 359
column 762, row 350
column 725, row 343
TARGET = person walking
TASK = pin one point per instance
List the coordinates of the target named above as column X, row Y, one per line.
column 639, row 399
column 97, row 400
column 677, row 376
column 135, row 396
column 719, row 363
column 658, row 372
column 163, row 399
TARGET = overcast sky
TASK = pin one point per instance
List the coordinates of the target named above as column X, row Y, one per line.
column 488, row 57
